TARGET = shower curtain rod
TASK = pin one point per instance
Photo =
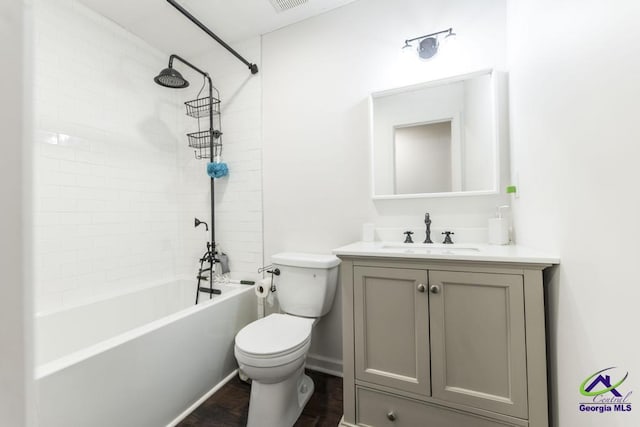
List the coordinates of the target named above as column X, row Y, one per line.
column 252, row 67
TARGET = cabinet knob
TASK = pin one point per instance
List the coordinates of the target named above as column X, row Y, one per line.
column 434, row 289
column 421, row 288
column 391, row 416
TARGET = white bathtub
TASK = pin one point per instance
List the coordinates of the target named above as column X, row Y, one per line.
column 137, row 360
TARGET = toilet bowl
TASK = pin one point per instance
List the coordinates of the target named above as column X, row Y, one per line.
column 272, row 351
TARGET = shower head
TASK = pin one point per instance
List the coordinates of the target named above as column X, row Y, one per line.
column 171, row 78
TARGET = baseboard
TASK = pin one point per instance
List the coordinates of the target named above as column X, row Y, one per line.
column 200, row 401
column 326, row 365
column 343, row 423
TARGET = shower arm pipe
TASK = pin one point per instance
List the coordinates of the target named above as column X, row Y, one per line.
column 204, row 73
column 185, row 62
column 211, row 139
column 252, row 67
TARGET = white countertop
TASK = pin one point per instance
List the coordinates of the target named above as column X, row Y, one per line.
column 453, row 252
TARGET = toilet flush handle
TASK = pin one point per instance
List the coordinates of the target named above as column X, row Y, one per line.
column 274, row 272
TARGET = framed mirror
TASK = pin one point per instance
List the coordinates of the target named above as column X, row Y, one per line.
column 438, row 139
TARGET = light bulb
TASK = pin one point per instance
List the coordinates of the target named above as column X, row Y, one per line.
column 428, row 48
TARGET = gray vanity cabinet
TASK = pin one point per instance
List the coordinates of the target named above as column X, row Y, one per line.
column 478, row 340
column 391, row 328
column 443, row 343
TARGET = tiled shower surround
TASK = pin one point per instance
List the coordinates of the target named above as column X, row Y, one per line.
column 116, row 187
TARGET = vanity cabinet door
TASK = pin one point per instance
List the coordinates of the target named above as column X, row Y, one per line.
column 478, row 340
column 391, row 325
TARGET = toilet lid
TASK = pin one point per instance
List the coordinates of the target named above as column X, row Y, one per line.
column 274, row 334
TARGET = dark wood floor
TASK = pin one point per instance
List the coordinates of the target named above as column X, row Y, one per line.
column 229, row 406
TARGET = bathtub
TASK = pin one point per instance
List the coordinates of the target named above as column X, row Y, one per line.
column 142, row 359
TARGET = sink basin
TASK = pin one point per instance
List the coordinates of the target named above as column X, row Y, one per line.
column 431, row 248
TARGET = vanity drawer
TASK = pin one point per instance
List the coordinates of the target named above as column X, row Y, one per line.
column 378, row 409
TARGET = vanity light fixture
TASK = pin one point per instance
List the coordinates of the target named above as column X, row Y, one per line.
column 428, row 44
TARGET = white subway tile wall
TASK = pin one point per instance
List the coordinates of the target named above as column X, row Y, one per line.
column 116, row 187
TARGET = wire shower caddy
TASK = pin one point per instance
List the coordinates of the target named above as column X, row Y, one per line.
column 201, row 141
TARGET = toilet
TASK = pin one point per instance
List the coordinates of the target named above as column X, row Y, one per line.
column 272, row 350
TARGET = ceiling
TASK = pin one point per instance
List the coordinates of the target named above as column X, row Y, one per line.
column 161, row 25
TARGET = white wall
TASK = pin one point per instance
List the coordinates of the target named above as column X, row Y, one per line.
column 317, row 76
column 574, row 86
column 16, row 370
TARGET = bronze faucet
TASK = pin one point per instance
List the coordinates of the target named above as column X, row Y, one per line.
column 427, row 222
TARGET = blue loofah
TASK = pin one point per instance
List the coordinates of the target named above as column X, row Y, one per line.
column 217, row 170
column 221, row 170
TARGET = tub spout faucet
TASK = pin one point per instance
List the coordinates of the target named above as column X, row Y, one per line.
column 427, row 223
column 197, row 222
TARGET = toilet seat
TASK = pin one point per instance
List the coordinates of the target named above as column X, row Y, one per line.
column 274, row 340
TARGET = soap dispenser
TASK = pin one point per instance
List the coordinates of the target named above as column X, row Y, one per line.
column 499, row 227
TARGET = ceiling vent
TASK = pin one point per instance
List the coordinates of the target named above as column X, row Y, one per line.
column 282, row 5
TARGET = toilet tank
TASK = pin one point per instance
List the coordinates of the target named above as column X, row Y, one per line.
column 307, row 282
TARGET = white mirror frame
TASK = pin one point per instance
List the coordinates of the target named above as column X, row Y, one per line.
column 500, row 131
